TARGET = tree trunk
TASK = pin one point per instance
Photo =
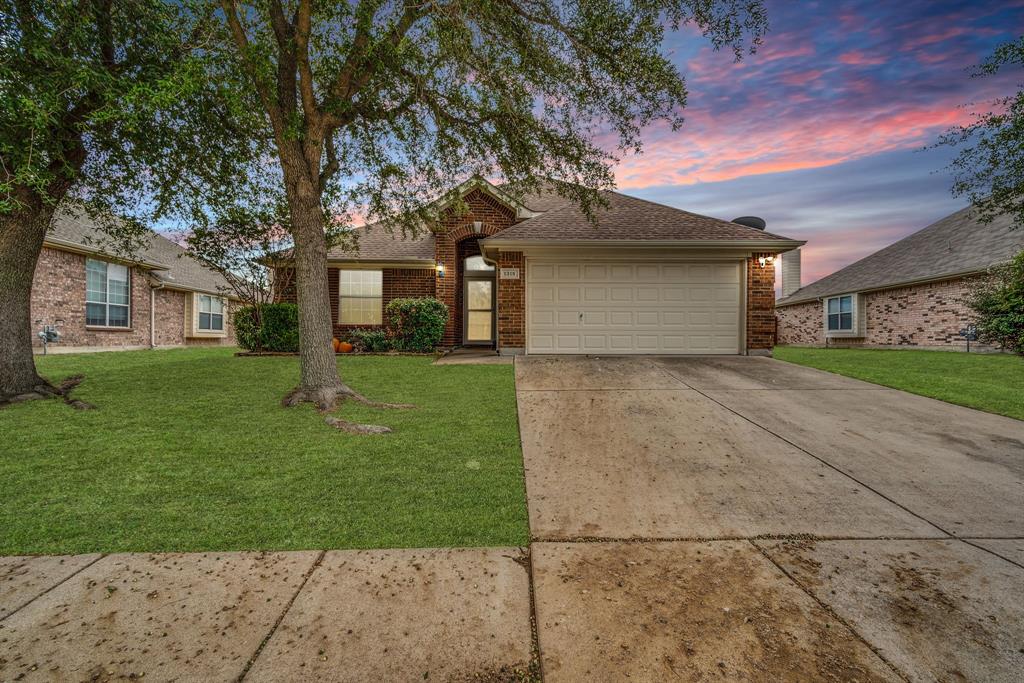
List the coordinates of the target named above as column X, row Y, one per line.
column 21, row 240
column 319, row 371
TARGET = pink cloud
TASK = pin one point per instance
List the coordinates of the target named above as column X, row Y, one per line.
column 859, row 58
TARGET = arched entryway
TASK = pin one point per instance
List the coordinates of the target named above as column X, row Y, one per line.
column 476, row 298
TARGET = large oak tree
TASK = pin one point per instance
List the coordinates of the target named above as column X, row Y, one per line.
column 376, row 105
column 103, row 106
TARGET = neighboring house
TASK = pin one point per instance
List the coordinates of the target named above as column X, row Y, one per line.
column 532, row 275
column 98, row 301
column 909, row 294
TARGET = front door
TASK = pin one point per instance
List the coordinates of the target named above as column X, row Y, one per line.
column 478, row 318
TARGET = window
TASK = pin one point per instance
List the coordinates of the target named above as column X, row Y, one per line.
column 840, row 313
column 359, row 292
column 107, row 292
column 211, row 313
column 476, row 263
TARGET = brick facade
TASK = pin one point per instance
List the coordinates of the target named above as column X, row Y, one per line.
column 58, row 298
column 455, row 239
column 454, row 229
column 760, row 305
column 929, row 315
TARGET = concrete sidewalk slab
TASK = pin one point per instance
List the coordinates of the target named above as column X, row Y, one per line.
column 22, row 579
column 739, row 372
column 161, row 617
column 674, row 464
column 552, row 373
column 406, row 615
column 685, row 611
column 957, row 467
column 1010, row 548
column 938, row 610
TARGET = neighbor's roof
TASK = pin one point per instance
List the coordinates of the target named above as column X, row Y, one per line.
column 168, row 262
column 630, row 219
column 959, row 244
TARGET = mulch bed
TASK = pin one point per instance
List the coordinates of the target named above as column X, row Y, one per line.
column 248, row 354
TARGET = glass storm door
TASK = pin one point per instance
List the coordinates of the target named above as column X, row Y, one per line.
column 479, row 318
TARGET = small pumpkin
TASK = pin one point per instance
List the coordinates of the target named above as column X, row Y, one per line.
column 345, row 347
column 336, row 345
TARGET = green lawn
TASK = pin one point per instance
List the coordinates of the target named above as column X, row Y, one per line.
column 990, row 382
column 189, row 450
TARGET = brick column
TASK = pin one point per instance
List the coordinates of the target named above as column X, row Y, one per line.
column 512, row 304
column 760, row 305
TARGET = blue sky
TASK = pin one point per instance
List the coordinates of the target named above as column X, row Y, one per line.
column 822, row 132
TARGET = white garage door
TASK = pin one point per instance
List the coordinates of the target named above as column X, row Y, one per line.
column 633, row 307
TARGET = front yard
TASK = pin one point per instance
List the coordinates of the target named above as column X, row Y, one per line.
column 990, row 382
column 189, row 450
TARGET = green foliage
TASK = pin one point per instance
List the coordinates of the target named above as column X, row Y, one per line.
column 416, row 324
column 989, row 169
column 386, row 104
column 371, row 340
column 998, row 303
column 268, row 327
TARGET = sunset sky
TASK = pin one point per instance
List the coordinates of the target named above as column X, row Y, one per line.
column 821, row 132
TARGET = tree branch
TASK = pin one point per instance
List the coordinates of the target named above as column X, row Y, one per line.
column 272, row 107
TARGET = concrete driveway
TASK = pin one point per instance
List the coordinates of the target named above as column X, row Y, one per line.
column 696, row 518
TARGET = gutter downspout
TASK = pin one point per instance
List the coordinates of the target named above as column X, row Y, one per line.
column 152, row 313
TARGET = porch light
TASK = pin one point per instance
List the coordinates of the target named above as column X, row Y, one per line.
column 766, row 261
column 477, row 226
column 440, row 270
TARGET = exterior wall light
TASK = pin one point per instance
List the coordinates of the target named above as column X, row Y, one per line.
column 477, row 226
column 440, row 270
column 766, row 261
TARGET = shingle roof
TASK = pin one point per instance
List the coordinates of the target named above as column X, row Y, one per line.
column 177, row 268
column 956, row 245
column 630, row 218
column 376, row 243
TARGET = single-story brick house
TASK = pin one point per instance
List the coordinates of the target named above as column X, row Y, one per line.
column 98, row 301
column 910, row 293
column 530, row 274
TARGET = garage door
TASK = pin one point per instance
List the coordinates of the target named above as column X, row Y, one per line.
column 633, row 307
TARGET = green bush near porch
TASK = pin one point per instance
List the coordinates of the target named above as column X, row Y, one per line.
column 189, row 450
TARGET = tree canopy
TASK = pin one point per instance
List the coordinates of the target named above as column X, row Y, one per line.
column 989, row 169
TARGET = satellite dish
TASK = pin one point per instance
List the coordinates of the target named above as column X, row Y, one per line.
column 751, row 222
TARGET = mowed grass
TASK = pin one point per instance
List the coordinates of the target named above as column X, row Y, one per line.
column 189, row 450
column 989, row 382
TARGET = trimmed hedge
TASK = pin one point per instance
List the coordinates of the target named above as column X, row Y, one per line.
column 275, row 328
column 415, row 324
column 374, row 341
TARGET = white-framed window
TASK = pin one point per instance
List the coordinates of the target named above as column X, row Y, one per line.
column 107, row 294
column 359, row 297
column 211, row 313
column 839, row 313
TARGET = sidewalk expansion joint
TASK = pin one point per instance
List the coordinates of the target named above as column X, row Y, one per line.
column 59, row 583
column 280, row 618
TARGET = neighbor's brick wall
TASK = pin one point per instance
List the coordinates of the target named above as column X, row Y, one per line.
column 760, row 304
column 58, row 293
column 512, row 303
column 928, row 315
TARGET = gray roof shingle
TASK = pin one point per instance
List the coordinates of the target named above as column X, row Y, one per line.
column 179, row 269
column 955, row 245
column 375, row 242
column 630, row 218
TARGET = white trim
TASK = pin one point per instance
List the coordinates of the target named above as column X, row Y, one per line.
column 128, row 271
column 753, row 246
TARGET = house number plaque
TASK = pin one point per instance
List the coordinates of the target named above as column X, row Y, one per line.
column 509, row 273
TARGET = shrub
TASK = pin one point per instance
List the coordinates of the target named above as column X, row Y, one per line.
column 416, row 324
column 268, row 327
column 370, row 340
column 998, row 303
